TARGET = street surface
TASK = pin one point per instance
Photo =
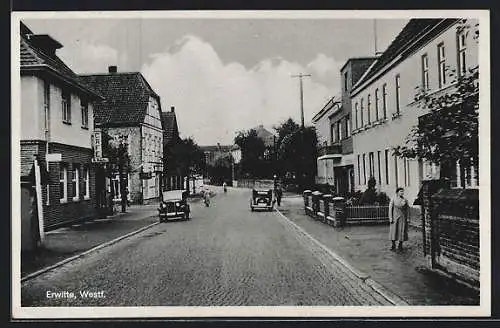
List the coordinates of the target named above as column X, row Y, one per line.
column 225, row 255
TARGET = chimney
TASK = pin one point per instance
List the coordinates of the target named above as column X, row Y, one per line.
column 112, row 69
column 172, row 109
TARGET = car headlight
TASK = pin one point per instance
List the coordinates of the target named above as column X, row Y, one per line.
column 177, row 204
column 163, row 205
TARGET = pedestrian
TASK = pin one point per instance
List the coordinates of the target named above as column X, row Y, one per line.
column 279, row 193
column 398, row 218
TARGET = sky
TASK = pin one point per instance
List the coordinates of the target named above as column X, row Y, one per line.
column 223, row 75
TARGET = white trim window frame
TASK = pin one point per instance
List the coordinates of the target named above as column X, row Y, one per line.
column 398, row 93
column 377, row 107
column 356, row 111
column 63, row 183
column 86, row 180
column 425, row 72
column 84, row 105
column 362, row 109
column 66, row 107
column 461, row 53
column 384, row 99
column 441, row 65
column 75, row 182
column 369, row 109
column 348, row 126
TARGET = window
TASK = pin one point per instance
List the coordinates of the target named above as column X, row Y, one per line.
column 377, row 107
column 356, row 109
column 66, row 107
column 362, row 111
column 63, row 183
column 369, row 109
column 332, row 133
column 441, row 65
column 398, row 94
column 378, row 167
column 462, row 176
column 364, row 168
column 387, row 166
column 396, row 178
column 384, row 100
column 407, row 172
column 371, row 163
column 339, row 131
column 345, row 81
column 86, row 181
column 348, row 126
column 359, row 170
column 425, row 72
column 461, row 49
column 75, row 182
column 85, row 114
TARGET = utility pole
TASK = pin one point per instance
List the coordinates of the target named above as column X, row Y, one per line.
column 300, row 76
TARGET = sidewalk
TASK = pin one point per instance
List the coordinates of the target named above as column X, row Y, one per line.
column 366, row 248
column 65, row 242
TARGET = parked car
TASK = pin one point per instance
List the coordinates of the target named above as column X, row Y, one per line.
column 174, row 205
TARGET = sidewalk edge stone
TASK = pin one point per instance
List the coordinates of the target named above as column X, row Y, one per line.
column 365, row 278
column 77, row 256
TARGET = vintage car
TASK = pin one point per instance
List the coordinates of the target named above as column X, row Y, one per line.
column 262, row 199
column 174, row 205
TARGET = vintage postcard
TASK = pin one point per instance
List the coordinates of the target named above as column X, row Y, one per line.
column 175, row 164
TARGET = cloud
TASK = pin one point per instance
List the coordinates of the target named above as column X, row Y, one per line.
column 91, row 58
column 213, row 99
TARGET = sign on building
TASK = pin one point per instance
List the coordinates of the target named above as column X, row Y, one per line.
column 97, row 137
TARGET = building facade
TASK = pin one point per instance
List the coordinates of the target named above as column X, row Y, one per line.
column 327, row 154
column 334, row 127
column 131, row 114
column 56, row 128
column 424, row 54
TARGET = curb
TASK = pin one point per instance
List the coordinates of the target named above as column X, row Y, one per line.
column 93, row 249
column 365, row 278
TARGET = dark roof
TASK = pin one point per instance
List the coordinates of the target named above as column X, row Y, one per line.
column 127, row 97
column 170, row 128
column 329, row 105
column 419, row 30
column 265, row 135
column 34, row 58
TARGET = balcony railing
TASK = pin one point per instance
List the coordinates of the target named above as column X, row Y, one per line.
column 329, row 150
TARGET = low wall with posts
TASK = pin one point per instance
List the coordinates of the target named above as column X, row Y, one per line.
column 333, row 211
column 451, row 234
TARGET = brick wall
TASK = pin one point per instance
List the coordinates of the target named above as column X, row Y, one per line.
column 457, row 245
column 56, row 213
column 451, row 230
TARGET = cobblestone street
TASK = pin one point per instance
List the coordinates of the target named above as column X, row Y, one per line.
column 224, row 256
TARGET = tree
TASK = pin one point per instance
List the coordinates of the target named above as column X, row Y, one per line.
column 119, row 162
column 449, row 132
column 252, row 152
column 297, row 153
column 184, row 157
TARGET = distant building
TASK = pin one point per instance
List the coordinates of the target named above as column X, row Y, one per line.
column 131, row 114
column 57, row 122
column 173, row 178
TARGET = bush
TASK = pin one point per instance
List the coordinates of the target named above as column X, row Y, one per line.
column 353, row 198
column 382, row 199
column 370, row 195
column 325, row 188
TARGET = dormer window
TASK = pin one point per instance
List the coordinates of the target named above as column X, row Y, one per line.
column 66, row 107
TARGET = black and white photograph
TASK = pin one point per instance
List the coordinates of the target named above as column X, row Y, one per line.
column 250, row 163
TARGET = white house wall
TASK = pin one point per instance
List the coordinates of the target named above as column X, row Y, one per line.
column 31, row 110
column 33, row 116
column 394, row 131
